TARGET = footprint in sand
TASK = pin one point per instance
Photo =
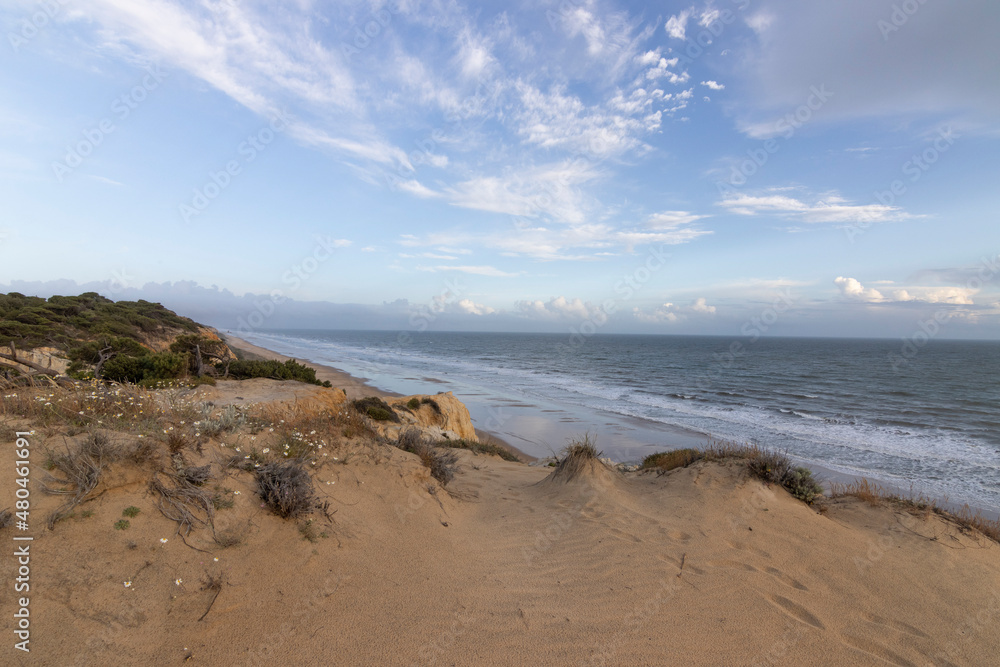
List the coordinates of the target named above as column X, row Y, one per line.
column 896, row 625
column 732, row 565
column 622, row 535
column 676, row 562
column 877, row 650
column 785, row 579
column 796, row 611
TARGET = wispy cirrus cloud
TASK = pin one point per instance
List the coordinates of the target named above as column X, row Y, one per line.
column 831, row 208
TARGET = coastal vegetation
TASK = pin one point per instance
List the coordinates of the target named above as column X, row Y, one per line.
column 766, row 465
column 135, row 342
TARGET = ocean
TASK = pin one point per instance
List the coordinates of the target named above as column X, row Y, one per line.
column 925, row 420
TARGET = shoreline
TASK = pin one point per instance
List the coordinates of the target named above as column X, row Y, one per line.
column 548, row 429
column 355, row 387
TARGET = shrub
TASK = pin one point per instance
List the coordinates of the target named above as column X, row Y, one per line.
column 131, row 512
column 81, row 470
column 413, row 403
column 800, row 483
column 122, row 524
column 229, row 419
column 375, row 408
column 275, row 370
column 770, row 467
column 480, row 448
column 677, row 458
column 286, row 488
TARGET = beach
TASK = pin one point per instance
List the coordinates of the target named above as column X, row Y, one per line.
column 499, row 563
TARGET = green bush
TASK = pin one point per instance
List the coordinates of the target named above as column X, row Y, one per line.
column 413, row 403
column 800, row 483
column 123, row 368
column 148, row 369
column 375, row 408
column 275, row 370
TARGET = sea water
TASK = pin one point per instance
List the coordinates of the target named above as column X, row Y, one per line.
column 926, row 421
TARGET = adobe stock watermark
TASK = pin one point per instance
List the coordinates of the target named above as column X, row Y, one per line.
column 900, row 15
column 913, row 169
column 368, row 30
column 120, row 281
column 786, row 127
column 425, row 147
column 695, row 47
column 32, row 25
column 218, row 181
column 121, row 108
column 425, row 315
column 929, row 328
column 626, row 289
column 22, row 543
column 753, row 329
column 296, row 275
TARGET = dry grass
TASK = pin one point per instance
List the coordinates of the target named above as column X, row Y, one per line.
column 875, row 495
column 441, row 465
column 286, row 488
column 184, row 503
column 81, row 469
column 578, row 457
column 675, row 458
column 487, row 447
column 766, row 465
column 84, row 405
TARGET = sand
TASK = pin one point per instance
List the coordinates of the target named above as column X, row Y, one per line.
column 507, row 565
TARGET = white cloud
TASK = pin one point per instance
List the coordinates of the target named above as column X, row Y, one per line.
column 676, row 25
column 416, row 188
column 103, row 179
column 672, row 219
column 831, row 209
column 552, row 190
column 714, row 85
column 853, row 289
column 708, row 17
column 475, row 270
column 472, row 308
column 664, row 313
column 700, row 306
column 557, row 308
column 669, row 312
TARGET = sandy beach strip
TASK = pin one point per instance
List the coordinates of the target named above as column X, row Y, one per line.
column 356, row 388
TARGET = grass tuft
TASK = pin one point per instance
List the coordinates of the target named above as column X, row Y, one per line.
column 479, row 448
column 875, row 495
column 440, row 465
column 676, row 458
column 286, row 488
column 766, row 465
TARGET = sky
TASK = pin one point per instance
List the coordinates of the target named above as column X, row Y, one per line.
column 736, row 167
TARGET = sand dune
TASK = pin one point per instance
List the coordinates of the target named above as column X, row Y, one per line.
column 700, row 566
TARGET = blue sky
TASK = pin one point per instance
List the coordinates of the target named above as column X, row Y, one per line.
column 626, row 167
